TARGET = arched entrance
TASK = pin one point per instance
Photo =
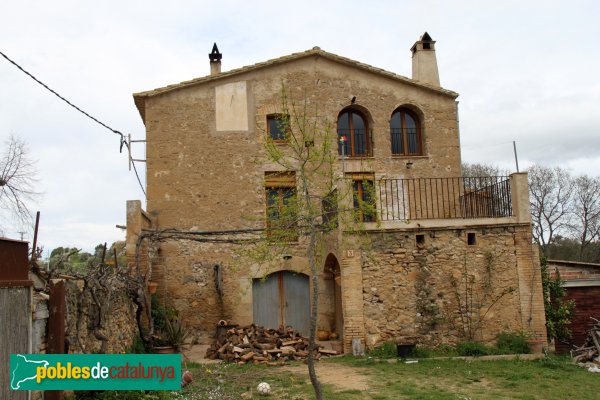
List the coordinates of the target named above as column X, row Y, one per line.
column 282, row 298
column 333, row 292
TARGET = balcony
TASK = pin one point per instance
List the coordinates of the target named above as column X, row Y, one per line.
column 444, row 198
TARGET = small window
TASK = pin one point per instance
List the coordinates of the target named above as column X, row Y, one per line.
column 420, row 239
column 405, row 131
column 278, row 127
column 280, row 192
column 363, row 193
column 354, row 138
column 471, row 239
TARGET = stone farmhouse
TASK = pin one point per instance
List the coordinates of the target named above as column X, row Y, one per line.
column 447, row 257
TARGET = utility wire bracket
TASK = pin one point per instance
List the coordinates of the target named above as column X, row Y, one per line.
column 131, row 159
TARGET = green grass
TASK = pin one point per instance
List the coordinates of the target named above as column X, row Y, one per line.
column 549, row 379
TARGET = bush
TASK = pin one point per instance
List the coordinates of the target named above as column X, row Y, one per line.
column 120, row 395
column 512, row 343
column 422, row 352
column 138, row 346
column 472, row 348
column 385, row 350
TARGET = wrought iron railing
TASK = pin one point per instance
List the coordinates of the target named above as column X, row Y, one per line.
column 356, row 142
column 443, row 198
column 405, row 141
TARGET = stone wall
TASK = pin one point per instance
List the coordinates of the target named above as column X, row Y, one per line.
column 206, row 171
column 437, row 288
column 207, row 179
column 101, row 320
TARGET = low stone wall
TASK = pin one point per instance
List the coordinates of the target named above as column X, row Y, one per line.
column 100, row 318
column 442, row 286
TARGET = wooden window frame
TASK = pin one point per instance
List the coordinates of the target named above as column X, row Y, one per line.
column 351, row 136
column 403, row 111
column 281, row 183
column 278, row 117
column 359, row 195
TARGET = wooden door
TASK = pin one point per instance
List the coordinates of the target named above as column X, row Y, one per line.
column 282, row 298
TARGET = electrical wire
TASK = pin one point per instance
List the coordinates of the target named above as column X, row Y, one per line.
column 122, row 137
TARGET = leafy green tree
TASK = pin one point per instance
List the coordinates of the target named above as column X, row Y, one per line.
column 558, row 309
column 309, row 198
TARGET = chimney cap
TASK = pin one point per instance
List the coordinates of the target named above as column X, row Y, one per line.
column 426, row 37
column 214, row 55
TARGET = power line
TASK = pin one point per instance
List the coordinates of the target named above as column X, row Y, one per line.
column 122, row 137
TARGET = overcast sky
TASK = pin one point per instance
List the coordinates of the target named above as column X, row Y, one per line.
column 525, row 70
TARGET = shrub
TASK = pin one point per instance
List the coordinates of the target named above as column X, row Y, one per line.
column 422, row 352
column 119, row 395
column 138, row 346
column 472, row 348
column 512, row 343
column 385, row 350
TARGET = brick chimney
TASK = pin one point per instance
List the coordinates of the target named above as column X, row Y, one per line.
column 215, row 60
column 424, row 62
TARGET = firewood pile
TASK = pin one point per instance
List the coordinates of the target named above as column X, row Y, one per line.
column 259, row 345
column 589, row 352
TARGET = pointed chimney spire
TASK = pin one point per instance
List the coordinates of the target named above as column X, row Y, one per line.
column 424, row 62
column 215, row 60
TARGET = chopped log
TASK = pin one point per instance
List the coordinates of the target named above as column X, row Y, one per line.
column 590, row 350
column 291, row 342
column 595, row 339
column 248, row 356
column 328, row 352
column 262, row 346
column 222, row 348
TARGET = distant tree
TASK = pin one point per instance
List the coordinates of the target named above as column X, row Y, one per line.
column 563, row 248
column 481, row 170
column 73, row 259
column 17, row 180
column 68, row 258
column 550, row 191
column 585, row 222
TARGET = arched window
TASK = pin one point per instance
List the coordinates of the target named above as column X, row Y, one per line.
column 405, row 130
column 354, row 139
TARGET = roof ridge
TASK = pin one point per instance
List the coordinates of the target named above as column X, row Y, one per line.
column 316, row 50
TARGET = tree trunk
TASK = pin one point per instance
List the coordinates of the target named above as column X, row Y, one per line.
column 313, row 316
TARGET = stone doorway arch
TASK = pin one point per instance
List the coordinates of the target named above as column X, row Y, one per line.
column 332, row 296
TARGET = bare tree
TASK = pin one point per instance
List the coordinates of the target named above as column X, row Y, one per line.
column 550, row 191
column 585, row 224
column 482, row 170
column 17, row 179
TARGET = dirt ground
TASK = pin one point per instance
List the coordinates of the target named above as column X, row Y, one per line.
column 340, row 376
